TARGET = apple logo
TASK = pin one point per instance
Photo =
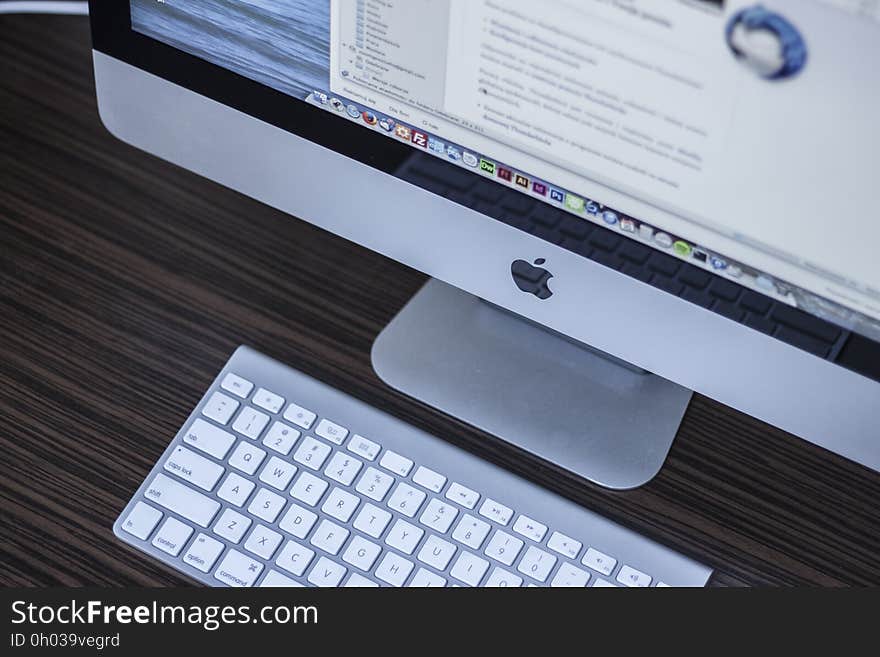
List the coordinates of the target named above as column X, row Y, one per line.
column 532, row 279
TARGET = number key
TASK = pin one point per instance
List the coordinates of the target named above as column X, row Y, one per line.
column 312, row 453
column 471, row 531
column 374, row 484
column 343, row 468
column 220, row 408
column 406, row 499
column 536, row 563
column 281, row 438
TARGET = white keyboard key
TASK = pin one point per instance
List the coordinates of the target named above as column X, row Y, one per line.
column 193, row 468
column 329, row 537
column 361, row 553
column 266, row 505
column 500, row 578
column 172, row 536
column 340, row 504
column 372, row 520
column 629, row 576
column 394, row 569
column 235, row 489
column 363, row 447
column 141, row 520
column 394, row 462
column 263, row 542
column 603, row 584
column 312, row 453
column 308, row 488
column 536, row 563
column 331, row 431
column 471, row 531
column 274, row 579
column 237, row 569
column 529, row 528
column 327, row 573
column 404, row 536
column 374, row 484
column 570, row 576
column 663, row 585
column 219, row 408
column 567, row 547
column 250, row 422
column 211, row 440
column 425, row 579
column 343, row 468
column 436, row 552
column 300, row 416
column 247, row 458
column 277, row 473
column 237, row 385
column 469, row 568
column 462, row 495
column 504, row 548
column 232, row 525
column 294, row 558
column 438, row 515
column 182, row 500
column 406, row 499
column 203, row 553
column 496, row 511
column 268, row 400
column 599, row 561
column 298, row 521
column 281, row 438
column 427, row 478
column 359, row 581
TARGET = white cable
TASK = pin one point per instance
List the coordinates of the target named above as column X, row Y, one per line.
column 71, row 8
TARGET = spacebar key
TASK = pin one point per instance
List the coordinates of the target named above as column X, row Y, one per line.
column 182, row 500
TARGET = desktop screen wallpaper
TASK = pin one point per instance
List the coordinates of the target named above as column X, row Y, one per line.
column 284, row 44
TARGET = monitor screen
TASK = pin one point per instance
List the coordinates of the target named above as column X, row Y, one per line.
column 736, row 136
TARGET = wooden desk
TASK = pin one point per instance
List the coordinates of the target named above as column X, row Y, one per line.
column 126, row 283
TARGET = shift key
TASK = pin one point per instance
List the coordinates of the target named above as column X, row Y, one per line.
column 182, row 500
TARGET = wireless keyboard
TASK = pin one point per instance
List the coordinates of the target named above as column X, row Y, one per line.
column 279, row 480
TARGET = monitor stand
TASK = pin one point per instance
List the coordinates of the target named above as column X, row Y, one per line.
column 579, row 409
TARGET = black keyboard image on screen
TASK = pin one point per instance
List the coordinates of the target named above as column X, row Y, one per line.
column 610, row 248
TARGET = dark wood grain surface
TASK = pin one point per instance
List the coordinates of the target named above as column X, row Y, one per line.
column 125, row 283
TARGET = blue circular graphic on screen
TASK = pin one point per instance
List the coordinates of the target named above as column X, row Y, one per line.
column 767, row 43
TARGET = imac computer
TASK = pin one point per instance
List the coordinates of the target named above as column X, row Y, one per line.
column 620, row 202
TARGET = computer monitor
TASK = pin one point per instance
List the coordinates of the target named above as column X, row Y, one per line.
column 619, row 201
